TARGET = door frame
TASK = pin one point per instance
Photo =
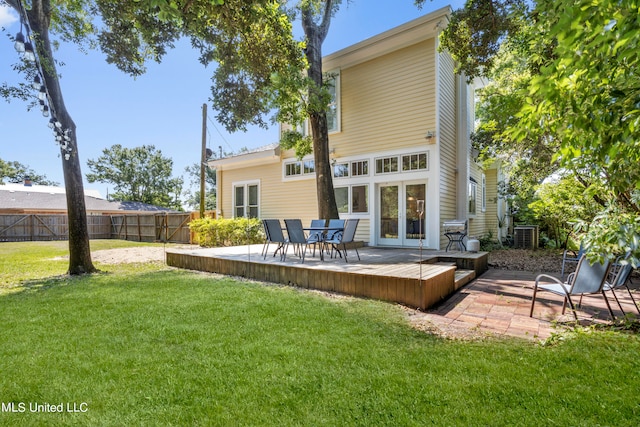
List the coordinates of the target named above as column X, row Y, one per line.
column 402, row 240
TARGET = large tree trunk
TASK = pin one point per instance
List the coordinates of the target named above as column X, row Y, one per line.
column 315, row 34
column 79, row 251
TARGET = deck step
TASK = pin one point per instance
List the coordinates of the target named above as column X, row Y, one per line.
column 447, row 263
column 463, row 277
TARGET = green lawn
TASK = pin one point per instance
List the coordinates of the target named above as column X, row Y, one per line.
column 148, row 345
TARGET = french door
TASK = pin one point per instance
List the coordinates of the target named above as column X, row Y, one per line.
column 399, row 221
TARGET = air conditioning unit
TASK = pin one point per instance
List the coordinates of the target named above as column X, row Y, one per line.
column 526, row 236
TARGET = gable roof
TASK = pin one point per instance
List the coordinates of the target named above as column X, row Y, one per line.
column 423, row 28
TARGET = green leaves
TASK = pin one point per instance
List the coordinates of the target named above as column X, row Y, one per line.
column 139, row 174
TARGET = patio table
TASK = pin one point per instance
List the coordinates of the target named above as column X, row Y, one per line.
column 322, row 236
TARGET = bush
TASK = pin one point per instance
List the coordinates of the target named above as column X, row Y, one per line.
column 227, row 232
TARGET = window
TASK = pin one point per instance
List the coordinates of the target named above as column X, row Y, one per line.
column 340, row 170
column 299, row 168
column 245, row 200
column 414, row 162
column 360, row 168
column 293, row 169
column 473, row 188
column 309, row 166
column 342, row 199
column 333, row 109
column 387, row 165
column 359, row 199
column 345, row 169
column 352, row 199
column 484, row 193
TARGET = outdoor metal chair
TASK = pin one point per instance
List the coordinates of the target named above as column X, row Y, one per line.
column 570, row 256
column 316, row 237
column 620, row 275
column 296, row 237
column 587, row 279
column 274, row 234
column 342, row 238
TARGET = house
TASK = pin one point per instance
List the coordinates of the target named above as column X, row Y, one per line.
column 30, row 198
column 400, row 131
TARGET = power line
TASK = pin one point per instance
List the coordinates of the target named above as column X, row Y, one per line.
column 219, row 133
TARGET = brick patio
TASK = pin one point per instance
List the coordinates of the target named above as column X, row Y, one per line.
column 498, row 303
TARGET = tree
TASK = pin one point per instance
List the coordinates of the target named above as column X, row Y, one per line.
column 583, row 96
column 38, row 20
column 561, row 203
column 140, row 174
column 131, row 33
column 248, row 86
column 587, row 94
column 193, row 198
column 16, row 172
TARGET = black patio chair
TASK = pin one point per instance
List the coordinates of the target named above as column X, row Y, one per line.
column 342, row 238
column 620, row 276
column 316, row 237
column 274, row 234
column 587, row 279
column 296, row 237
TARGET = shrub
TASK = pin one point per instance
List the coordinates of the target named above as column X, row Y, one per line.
column 227, row 232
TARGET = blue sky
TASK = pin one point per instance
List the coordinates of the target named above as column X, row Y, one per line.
column 162, row 107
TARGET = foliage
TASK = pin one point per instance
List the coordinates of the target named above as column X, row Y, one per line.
column 559, row 205
column 16, row 172
column 613, row 233
column 140, row 174
column 526, row 161
column 474, row 33
column 587, row 95
column 227, row 231
column 193, row 198
column 573, row 106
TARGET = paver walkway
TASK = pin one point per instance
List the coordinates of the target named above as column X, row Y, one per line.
column 498, row 303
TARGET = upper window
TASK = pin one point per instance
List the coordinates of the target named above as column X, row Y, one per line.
column 414, row 162
column 360, row 168
column 387, row 164
column 340, row 170
column 299, row 168
column 333, row 110
column 346, row 169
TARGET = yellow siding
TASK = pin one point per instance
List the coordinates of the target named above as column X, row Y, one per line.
column 387, row 103
column 278, row 199
column 492, row 202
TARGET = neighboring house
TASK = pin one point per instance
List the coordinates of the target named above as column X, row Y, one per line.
column 43, row 199
column 400, row 124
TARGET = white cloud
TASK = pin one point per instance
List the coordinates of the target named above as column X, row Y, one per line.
column 7, row 16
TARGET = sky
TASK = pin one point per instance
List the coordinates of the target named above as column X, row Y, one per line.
column 163, row 107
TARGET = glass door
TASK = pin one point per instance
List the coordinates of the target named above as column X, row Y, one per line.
column 399, row 222
column 414, row 202
column 389, row 223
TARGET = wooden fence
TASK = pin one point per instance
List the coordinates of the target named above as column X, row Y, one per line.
column 155, row 227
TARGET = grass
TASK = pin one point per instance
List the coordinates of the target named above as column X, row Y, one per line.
column 148, row 345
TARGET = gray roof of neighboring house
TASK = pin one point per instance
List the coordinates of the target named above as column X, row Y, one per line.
column 17, row 200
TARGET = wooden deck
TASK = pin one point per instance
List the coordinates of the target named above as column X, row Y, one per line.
column 395, row 275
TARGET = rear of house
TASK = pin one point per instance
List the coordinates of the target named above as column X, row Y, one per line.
column 400, row 123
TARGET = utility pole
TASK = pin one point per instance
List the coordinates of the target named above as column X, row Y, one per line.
column 203, row 158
